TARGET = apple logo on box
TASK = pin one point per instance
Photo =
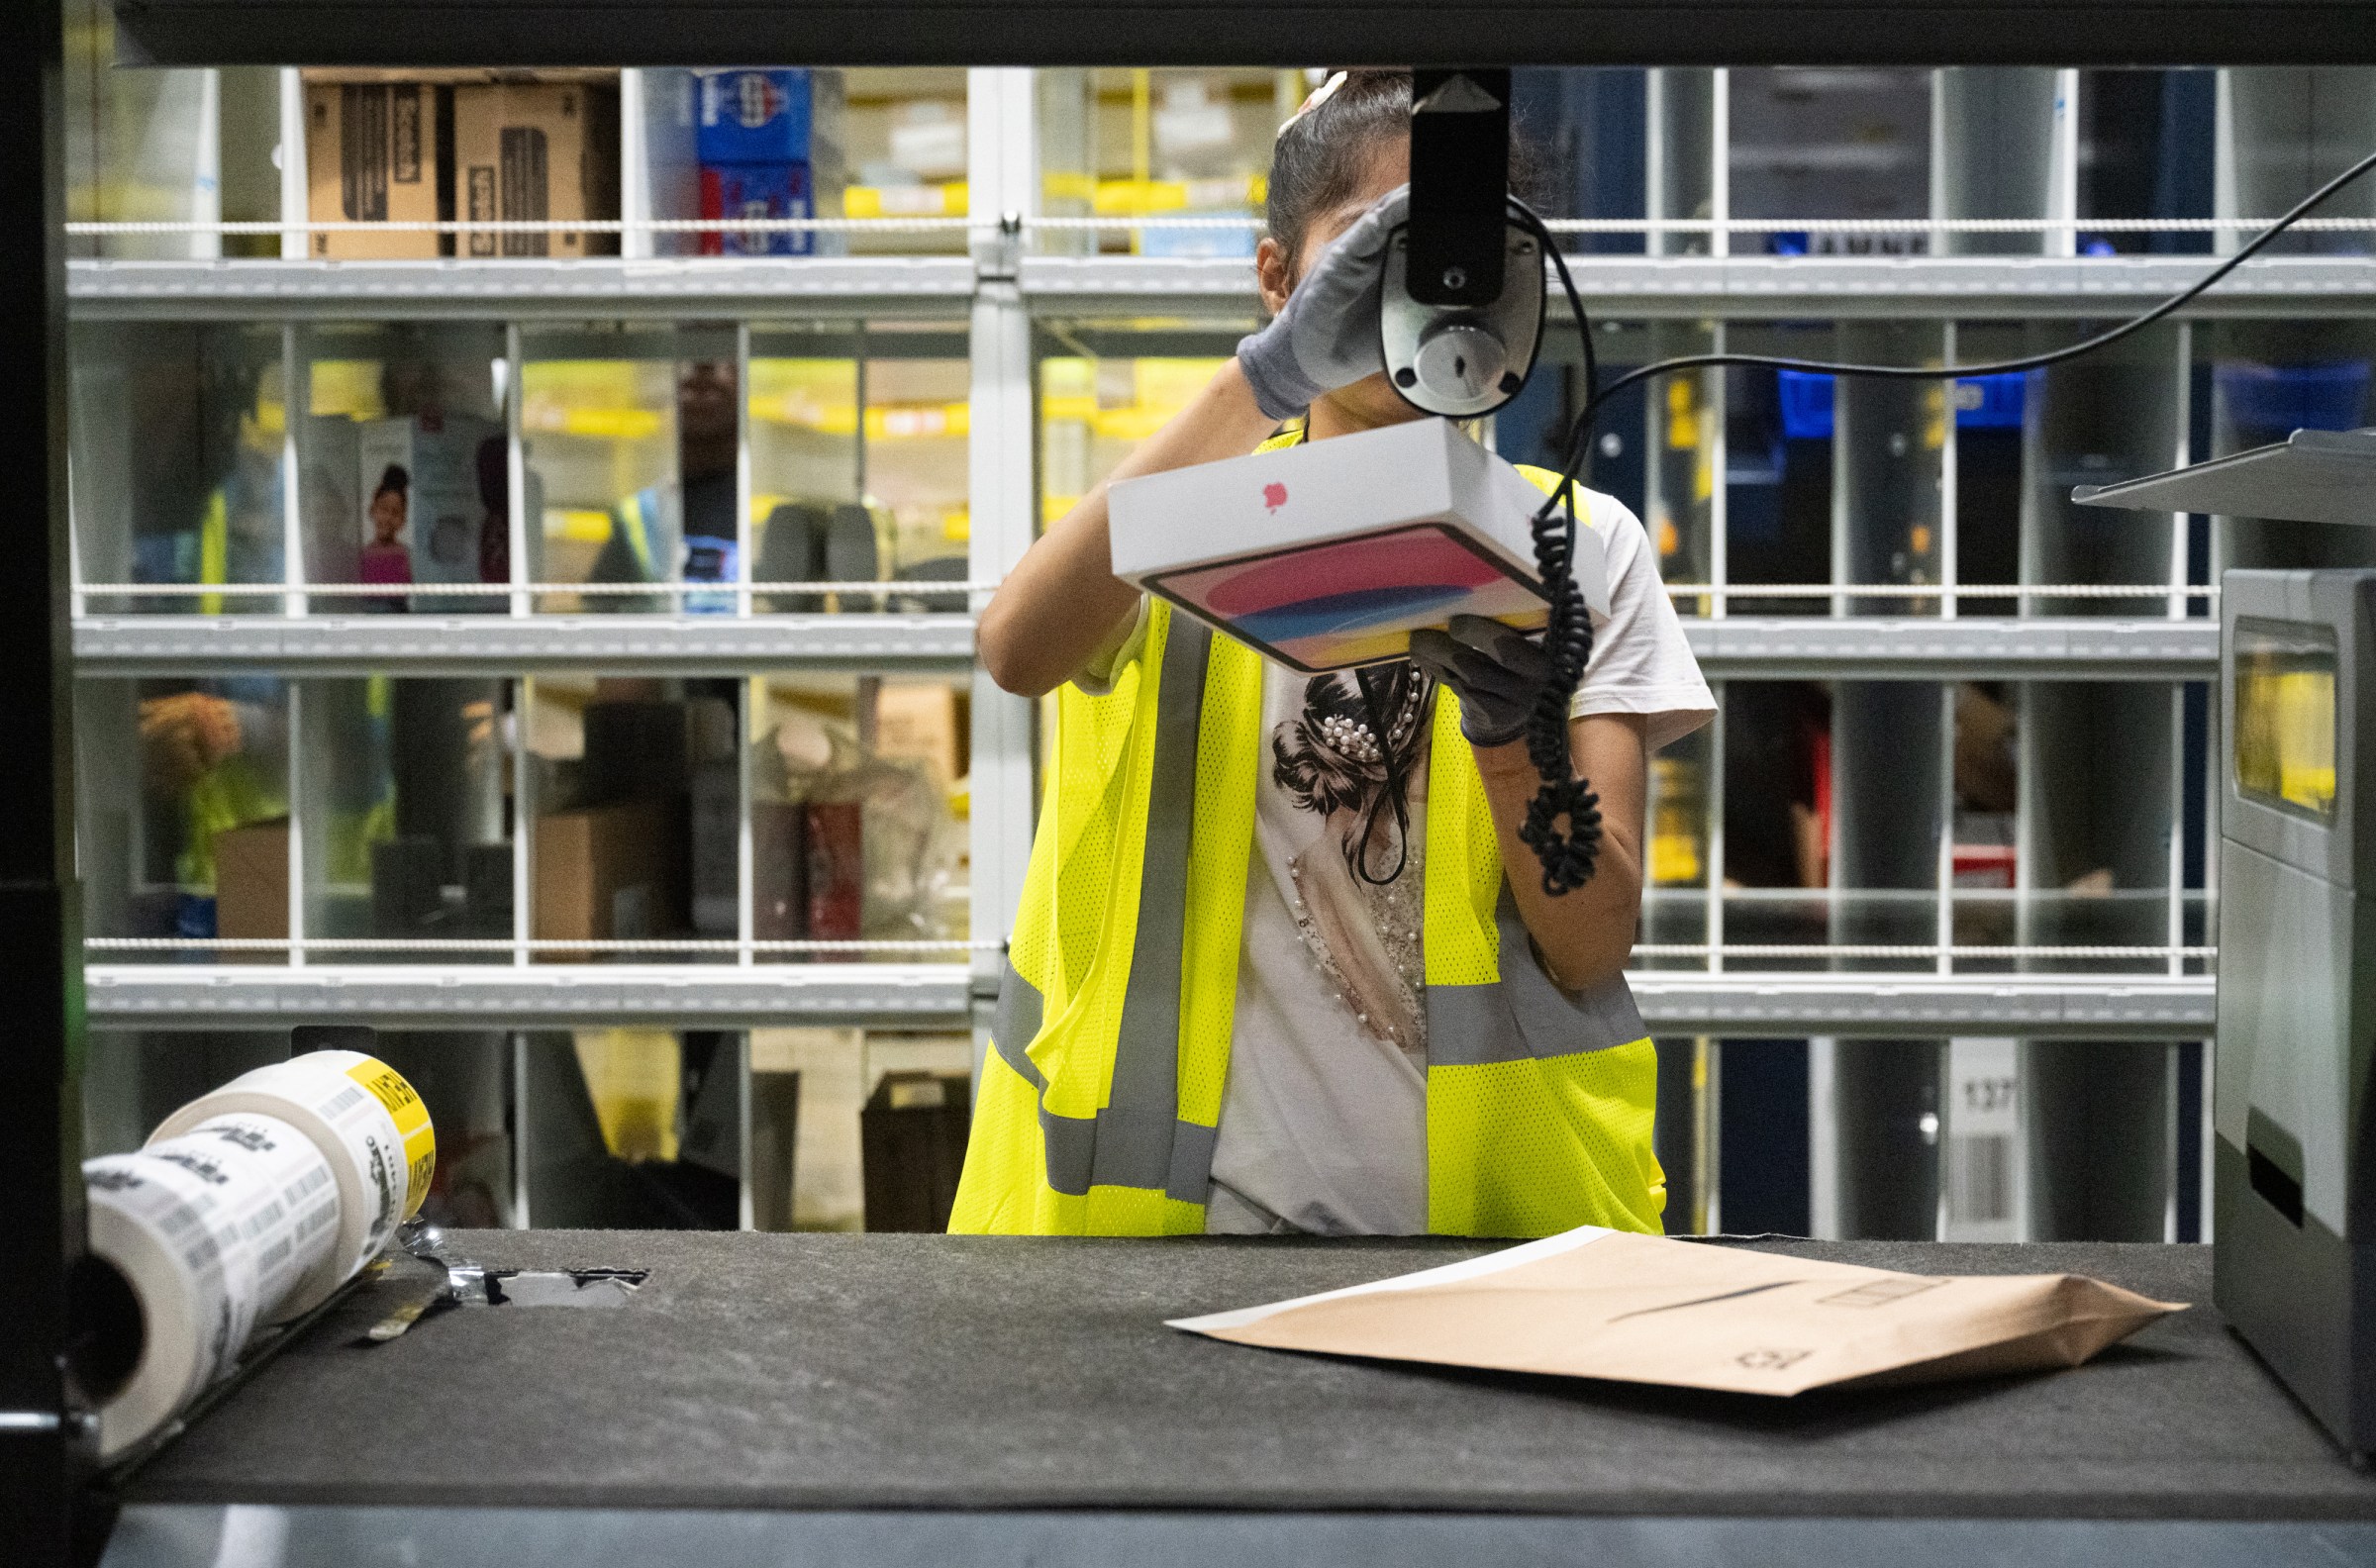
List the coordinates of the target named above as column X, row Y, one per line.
column 1274, row 496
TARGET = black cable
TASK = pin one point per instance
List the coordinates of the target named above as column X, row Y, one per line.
column 1395, row 789
column 1568, row 854
column 1596, row 396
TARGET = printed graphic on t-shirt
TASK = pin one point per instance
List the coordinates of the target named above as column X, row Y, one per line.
column 1344, row 816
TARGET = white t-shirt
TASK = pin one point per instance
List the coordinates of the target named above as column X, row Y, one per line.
column 1324, row 1118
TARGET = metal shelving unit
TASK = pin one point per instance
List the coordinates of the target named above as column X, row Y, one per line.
column 1619, row 288
column 1764, row 647
column 541, row 997
column 1788, row 288
column 557, row 995
column 1972, row 648
column 598, row 287
column 1008, row 305
column 498, row 645
column 1894, row 1007
column 1004, row 290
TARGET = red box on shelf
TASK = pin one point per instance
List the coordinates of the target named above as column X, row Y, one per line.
column 836, row 857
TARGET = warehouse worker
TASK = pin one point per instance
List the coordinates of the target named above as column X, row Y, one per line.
column 686, row 529
column 1251, row 986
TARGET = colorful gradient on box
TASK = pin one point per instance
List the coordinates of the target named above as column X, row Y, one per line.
column 1354, row 601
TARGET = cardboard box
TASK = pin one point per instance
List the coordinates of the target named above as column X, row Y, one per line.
column 1329, row 554
column 536, row 151
column 371, row 156
column 610, row 872
column 251, row 887
column 425, row 515
column 917, row 721
column 465, row 77
column 912, row 1136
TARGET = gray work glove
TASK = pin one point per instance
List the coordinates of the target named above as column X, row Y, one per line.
column 1327, row 333
column 1496, row 671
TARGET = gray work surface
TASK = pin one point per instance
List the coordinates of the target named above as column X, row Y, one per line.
column 825, row 1372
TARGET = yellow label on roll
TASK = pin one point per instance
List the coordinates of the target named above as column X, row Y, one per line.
column 411, row 1116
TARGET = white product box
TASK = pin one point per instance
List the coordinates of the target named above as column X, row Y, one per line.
column 1329, row 554
column 424, row 516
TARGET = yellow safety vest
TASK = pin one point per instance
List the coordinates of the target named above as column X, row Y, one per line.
column 1101, row 1097
column 640, row 516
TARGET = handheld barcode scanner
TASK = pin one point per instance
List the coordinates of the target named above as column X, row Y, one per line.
column 1461, row 315
column 1460, row 322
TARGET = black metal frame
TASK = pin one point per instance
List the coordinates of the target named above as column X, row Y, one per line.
column 1248, row 33
column 44, row 1443
column 45, row 1449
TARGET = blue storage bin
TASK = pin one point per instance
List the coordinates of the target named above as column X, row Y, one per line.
column 1991, row 402
column 2288, row 398
column 1805, row 404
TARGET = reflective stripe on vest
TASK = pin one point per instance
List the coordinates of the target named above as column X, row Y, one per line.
column 1524, row 1012
column 1139, row 1138
column 635, row 514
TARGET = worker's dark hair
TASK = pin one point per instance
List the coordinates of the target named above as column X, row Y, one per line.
column 395, row 479
column 1321, row 154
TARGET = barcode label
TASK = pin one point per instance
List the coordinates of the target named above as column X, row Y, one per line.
column 364, row 152
column 524, row 194
column 342, row 1101
column 479, row 182
column 404, row 133
column 1979, row 1178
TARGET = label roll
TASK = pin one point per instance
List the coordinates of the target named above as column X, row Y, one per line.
column 368, row 1123
column 209, row 1232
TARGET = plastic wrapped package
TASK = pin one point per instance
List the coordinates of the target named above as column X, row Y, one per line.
column 878, row 848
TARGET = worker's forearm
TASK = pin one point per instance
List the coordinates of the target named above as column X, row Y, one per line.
column 1062, row 600
column 1585, row 935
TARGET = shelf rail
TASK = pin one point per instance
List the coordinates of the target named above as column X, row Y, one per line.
column 1948, row 591
column 908, row 588
column 1010, row 223
column 504, row 947
column 925, row 587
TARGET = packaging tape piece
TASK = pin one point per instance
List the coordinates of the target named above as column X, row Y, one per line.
column 212, row 1230
column 371, row 1126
